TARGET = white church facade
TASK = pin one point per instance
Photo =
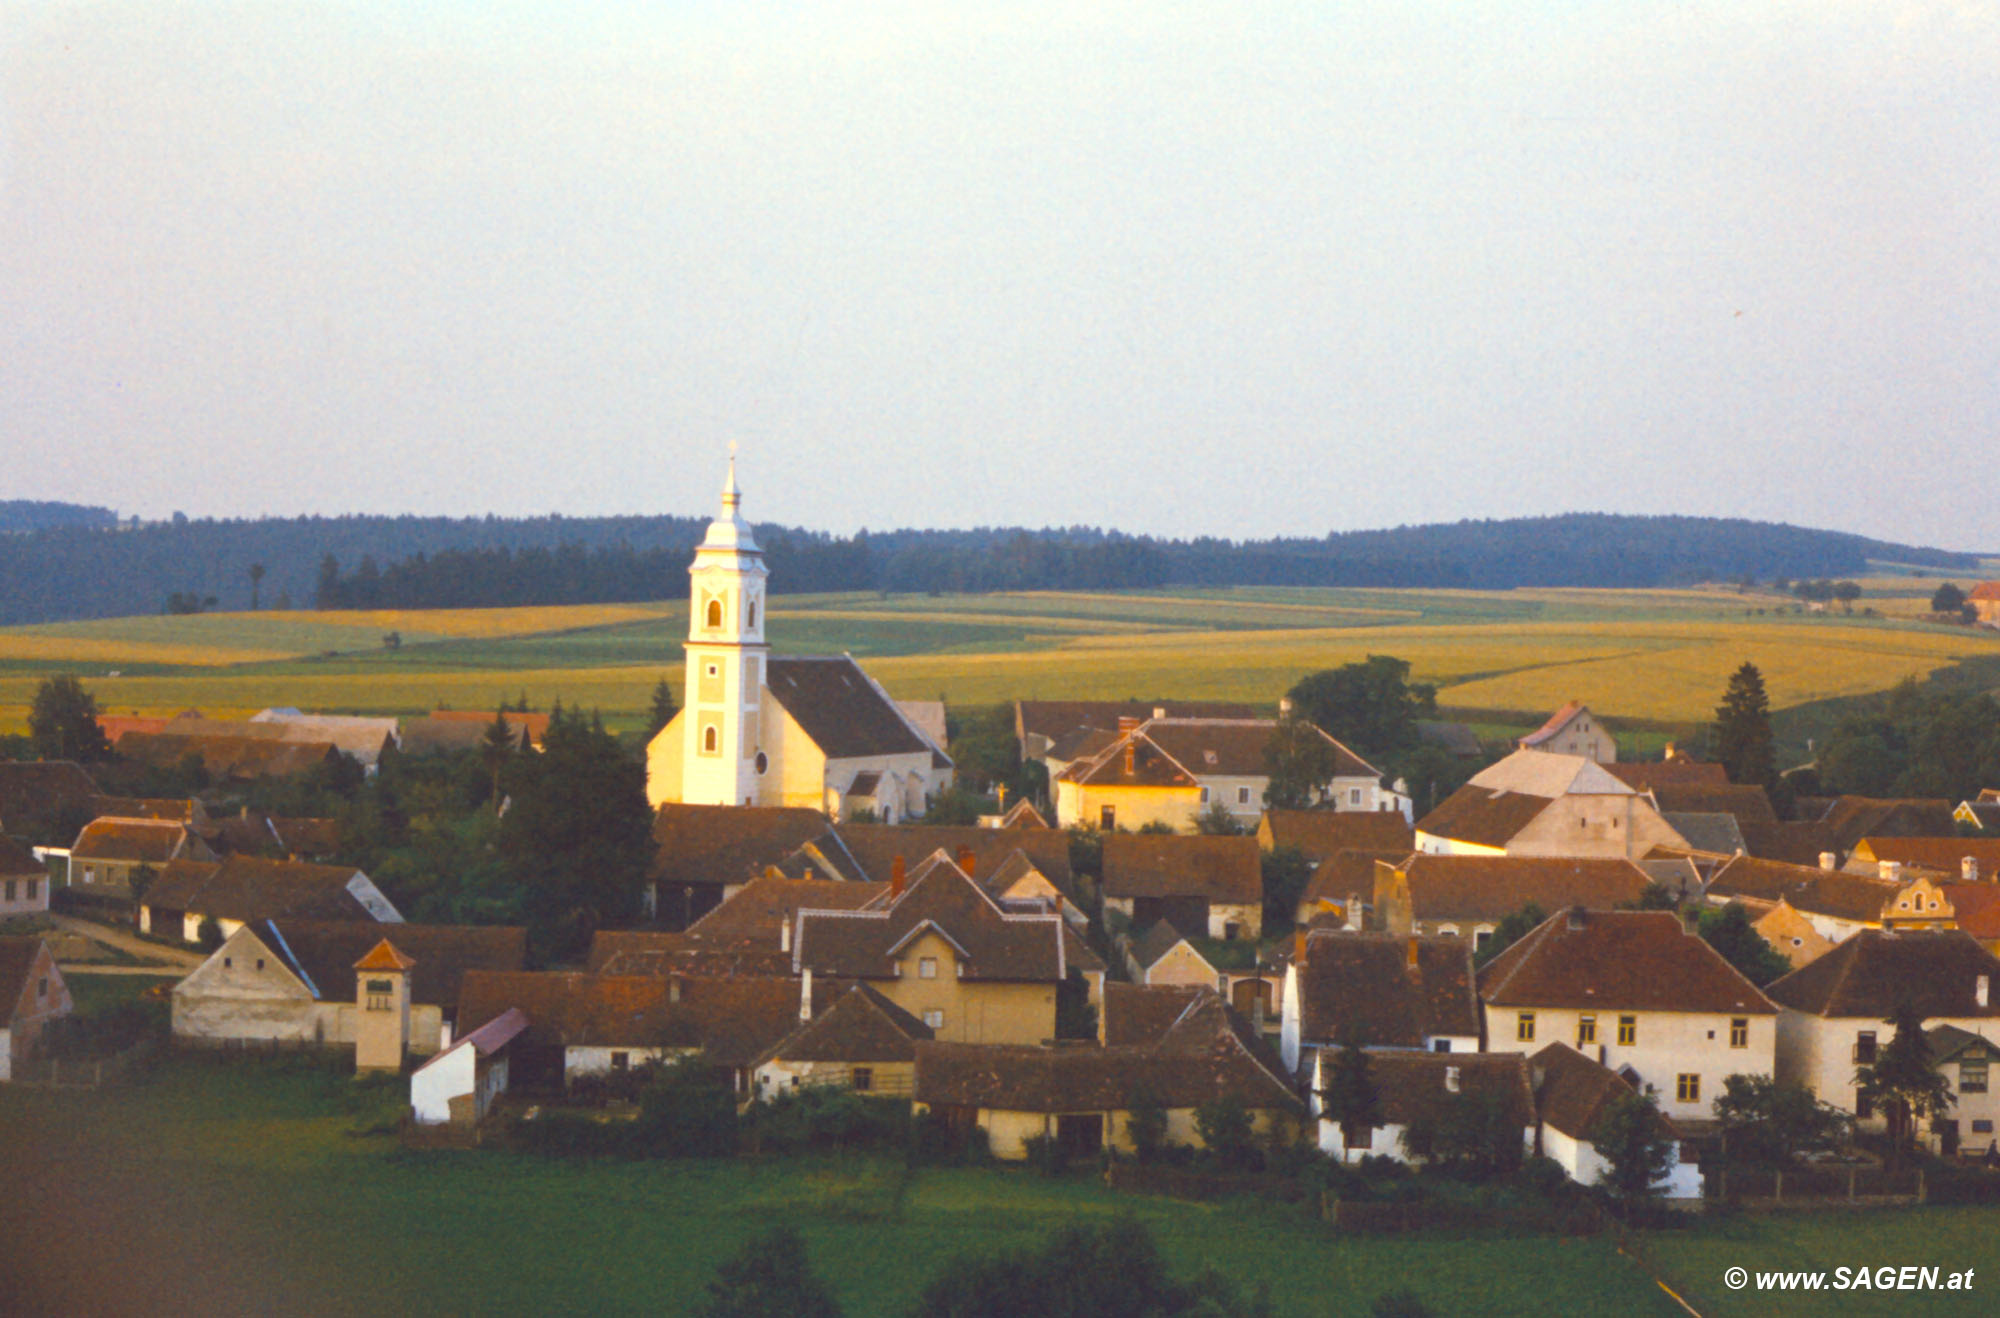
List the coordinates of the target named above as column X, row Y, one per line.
column 754, row 729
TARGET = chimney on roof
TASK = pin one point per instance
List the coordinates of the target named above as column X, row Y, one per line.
column 1284, row 706
column 1127, row 724
column 967, row 861
column 1131, row 756
column 1575, row 920
column 1451, row 1080
column 673, row 988
column 806, row 995
column 1891, row 870
column 1299, row 948
column 1826, row 860
column 896, row 878
column 1968, row 869
column 1410, row 953
column 1159, row 711
column 785, row 933
column 1672, row 752
column 1354, row 921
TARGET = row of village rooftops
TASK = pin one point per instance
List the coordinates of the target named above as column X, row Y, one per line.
column 931, row 986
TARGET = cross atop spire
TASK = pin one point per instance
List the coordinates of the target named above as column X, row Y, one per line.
column 731, row 496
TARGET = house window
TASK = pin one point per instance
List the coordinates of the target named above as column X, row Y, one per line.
column 621, row 1061
column 864, row 1078
column 260, row 963
column 1243, row 796
column 1440, row 1045
column 715, row 614
column 1354, row 796
column 762, row 763
column 1687, row 1088
column 710, row 740
column 1107, row 817
column 1972, row 1077
column 1204, row 796
column 1628, row 1031
column 1480, row 938
column 1980, row 1127
column 227, row 962
column 934, row 1019
column 1231, row 931
column 10, row 890
column 1586, row 1030
column 1864, row 1048
column 381, row 994
column 1364, row 1138
column 1864, row 1108
column 750, row 614
column 1739, row 1032
column 42, row 991
column 1524, row 1027
column 926, row 967
column 34, row 889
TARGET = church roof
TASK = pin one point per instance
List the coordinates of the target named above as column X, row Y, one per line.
column 840, row 708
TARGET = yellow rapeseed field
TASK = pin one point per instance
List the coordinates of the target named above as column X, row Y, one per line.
column 96, row 651
column 485, row 624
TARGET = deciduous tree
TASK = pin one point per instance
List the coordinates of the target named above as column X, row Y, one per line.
column 1902, row 1080
column 769, row 1278
column 62, row 722
column 1632, row 1138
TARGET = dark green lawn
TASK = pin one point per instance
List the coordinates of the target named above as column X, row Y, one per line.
column 240, row 1185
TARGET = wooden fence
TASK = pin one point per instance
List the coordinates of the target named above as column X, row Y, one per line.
column 1805, row 1187
column 54, row 1073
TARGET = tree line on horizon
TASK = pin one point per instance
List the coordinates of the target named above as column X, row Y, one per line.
column 94, row 569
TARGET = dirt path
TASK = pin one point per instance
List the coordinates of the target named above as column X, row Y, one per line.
column 167, row 960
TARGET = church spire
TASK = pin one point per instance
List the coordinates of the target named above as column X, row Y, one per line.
column 731, row 496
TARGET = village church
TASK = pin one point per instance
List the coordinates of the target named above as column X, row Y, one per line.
column 754, row 729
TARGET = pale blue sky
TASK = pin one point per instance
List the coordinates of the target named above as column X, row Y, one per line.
column 1229, row 268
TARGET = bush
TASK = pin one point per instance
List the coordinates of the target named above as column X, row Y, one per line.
column 573, row 1135
column 1046, row 1154
column 1113, row 1271
column 1224, row 1127
column 825, row 1117
column 104, row 1033
column 688, row 1115
column 933, row 1143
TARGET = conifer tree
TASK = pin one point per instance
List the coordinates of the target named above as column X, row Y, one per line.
column 1743, row 729
column 663, row 710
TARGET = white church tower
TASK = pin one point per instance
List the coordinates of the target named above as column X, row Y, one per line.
column 726, row 660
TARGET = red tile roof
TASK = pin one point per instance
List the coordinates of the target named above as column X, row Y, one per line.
column 731, row 1020
column 1941, row 855
column 1321, row 833
column 1677, row 772
column 1218, row 869
column 1618, row 961
column 1365, row 983
column 148, row 841
column 860, row 1026
column 1809, row 889
column 1554, row 725
column 1872, row 972
column 1493, row 887
column 1347, row 874
column 1483, row 817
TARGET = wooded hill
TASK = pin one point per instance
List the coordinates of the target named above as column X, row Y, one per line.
column 105, row 570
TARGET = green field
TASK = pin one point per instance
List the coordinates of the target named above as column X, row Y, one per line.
column 242, row 1186
column 1656, row 658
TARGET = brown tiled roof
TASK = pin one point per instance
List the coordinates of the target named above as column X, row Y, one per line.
column 149, row 841
column 1493, row 887
column 18, row 954
column 1852, row 818
column 1808, row 888
column 1079, row 955
column 766, row 905
column 1141, row 1014
column 1984, row 591
column 1458, row 738
column 1321, row 833
column 234, row 757
column 325, row 953
column 1572, row 1091
column 249, row 888
column 1413, row 1086
column 875, row 848
column 39, row 790
column 1975, row 907
column 1022, row 814
column 1482, row 817
column 16, row 860
column 844, row 713
column 1151, row 766
column 860, row 1026
column 1347, row 874
column 732, row 1020
column 1201, row 1058
column 720, row 845
column 1744, row 801
column 148, row 807
column 993, row 944
column 1942, row 855
column 1217, row 869
column 1081, row 744
column 1872, row 972
column 1795, row 841
column 1677, row 772
column 1056, row 719
column 1618, row 960
column 1235, row 747
column 1985, row 813
column 1554, row 724
column 743, row 935
column 1364, row 982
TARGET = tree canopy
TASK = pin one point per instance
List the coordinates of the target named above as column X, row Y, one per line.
column 1728, row 930
column 769, row 1278
column 1631, row 1137
column 1902, row 1080
column 1371, row 706
column 62, row 722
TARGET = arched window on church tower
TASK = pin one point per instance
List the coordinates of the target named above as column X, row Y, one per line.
column 715, row 614
column 708, row 740
column 752, row 622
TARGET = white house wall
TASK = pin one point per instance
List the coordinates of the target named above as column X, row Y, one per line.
column 1669, row 1044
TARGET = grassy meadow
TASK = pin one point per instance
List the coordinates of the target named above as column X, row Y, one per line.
column 262, row 1185
column 1657, row 658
